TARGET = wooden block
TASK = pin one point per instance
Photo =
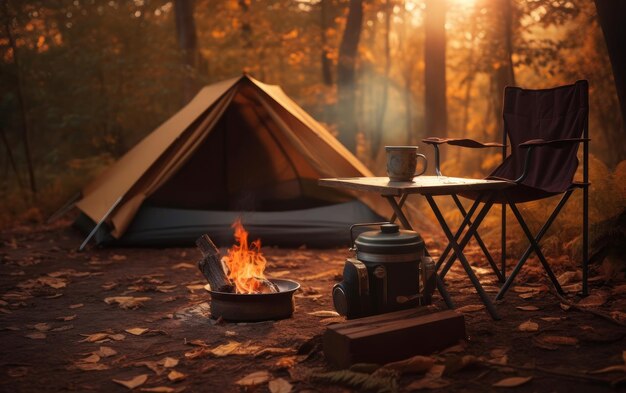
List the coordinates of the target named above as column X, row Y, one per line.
column 394, row 336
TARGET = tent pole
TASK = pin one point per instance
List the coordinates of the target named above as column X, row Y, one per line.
column 99, row 224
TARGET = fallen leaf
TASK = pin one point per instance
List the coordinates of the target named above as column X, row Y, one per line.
column 67, row 318
column 53, row 282
column 427, row 383
column 176, row 376
column 527, row 308
column 267, row 352
column 416, row 364
column 133, row 382
column 127, row 302
column 105, row 352
column 511, row 382
column 117, row 257
column 93, row 358
column 91, row 366
column 253, row 379
column 107, row 286
column 73, row 306
column 565, row 307
column 610, row 369
column 158, row 389
column 36, row 336
column 285, row 362
column 230, row 333
column 225, row 349
column 568, row 277
column 184, row 265
column 559, row 340
column 153, row 366
column 279, row 385
column 90, row 338
column 332, row 320
column 523, row 289
column 594, row 300
column 527, row 295
column 551, row 319
column 471, row 308
column 168, row 362
column 42, row 327
column 137, row 331
column 117, row 337
column 528, row 326
column 324, row 313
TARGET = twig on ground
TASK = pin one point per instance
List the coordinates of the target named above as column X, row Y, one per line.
column 588, row 310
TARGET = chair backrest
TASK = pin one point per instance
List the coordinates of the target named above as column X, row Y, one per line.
column 549, row 114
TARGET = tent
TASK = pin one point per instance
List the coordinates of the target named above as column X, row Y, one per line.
column 239, row 148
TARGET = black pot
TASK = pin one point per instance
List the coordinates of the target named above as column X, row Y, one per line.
column 256, row 306
column 384, row 277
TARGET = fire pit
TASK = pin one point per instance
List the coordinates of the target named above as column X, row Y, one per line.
column 238, row 286
column 255, row 306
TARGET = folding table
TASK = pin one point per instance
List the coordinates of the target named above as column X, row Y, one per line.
column 429, row 186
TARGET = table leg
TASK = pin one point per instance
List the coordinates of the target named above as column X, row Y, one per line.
column 398, row 212
column 400, row 204
column 458, row 249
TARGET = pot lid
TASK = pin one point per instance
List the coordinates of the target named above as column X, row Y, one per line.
column 389, row 240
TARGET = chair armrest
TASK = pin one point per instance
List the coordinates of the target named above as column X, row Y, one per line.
column 463, row 142
column 556, row 143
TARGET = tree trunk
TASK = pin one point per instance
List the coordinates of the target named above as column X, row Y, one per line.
column 5, row 141
column 346, row 71
column 611, row 14
column 20, row 97
column 435, row 110
column 187, row 41
column 380, row 119
column 327, row 75
column 505, row 73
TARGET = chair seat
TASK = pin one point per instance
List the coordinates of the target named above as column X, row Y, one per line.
column 516, row 194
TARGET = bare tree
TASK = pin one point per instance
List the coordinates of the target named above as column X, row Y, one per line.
column 346, row 75
column 187, row 41
column 20, row 96
column 435, row 110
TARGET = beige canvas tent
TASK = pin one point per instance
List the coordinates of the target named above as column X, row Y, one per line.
column 239, row 148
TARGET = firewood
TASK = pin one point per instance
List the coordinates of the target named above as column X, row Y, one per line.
column 211, row 266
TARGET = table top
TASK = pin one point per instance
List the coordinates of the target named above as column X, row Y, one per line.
column 426, row 185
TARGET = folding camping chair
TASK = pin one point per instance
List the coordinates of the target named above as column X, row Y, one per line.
column 544, row 128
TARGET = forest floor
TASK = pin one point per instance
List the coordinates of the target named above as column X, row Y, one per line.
column 58, row 331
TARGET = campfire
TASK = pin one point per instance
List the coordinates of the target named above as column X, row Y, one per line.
column 245, row 264
column 238, row 286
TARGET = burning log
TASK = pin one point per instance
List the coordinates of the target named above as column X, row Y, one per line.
column 211, row 266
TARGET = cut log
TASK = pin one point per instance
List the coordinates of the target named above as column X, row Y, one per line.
column 211, row 266
column 393, row 336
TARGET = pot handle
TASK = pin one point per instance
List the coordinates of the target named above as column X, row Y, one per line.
column 365, row 224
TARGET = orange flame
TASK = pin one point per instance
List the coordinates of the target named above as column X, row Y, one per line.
column 245, row 263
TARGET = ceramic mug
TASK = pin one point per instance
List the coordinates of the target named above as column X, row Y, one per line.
column 402, row 162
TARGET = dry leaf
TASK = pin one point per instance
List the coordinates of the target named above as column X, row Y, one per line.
column 551, row 319
column 225, row 349
column 610, row 369
column 67, row 318
column 559, row 340
column 127, row 302
column 117, row 257
column 91, row 338
column 528, row 326
column 133, row 382
column 511, row 382
column 184, row 265
column 594, row 300
column 105, row 352
column 527, row 308
column 471, row 308
column 137, row 331
column 153, row 366
column 168, row 362
column 253, row 379
column 91, row 366
column 158, row 389
column 56, row 283
column 42, row 327
column 324, row 313
column 332, row 320
column 73, row 306
column 565, row 307
column 415, row 364
column 107, row 286
column 286, row 362
column 230, row 333
column 427, row 383
column 279, row 385
column 527, row 295
column 523, row 289
column 176, row 376
column 36, row 336
column 267, row 352
column 93, row 358
column 117, row 337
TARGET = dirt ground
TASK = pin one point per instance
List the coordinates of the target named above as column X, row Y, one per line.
column 58, row 331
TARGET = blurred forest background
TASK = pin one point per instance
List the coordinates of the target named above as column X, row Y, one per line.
column 82, row 81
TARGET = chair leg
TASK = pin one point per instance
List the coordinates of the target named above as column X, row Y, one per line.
column 480, row 242
column 534, row 246
column 585, row 240
column 503, row 240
